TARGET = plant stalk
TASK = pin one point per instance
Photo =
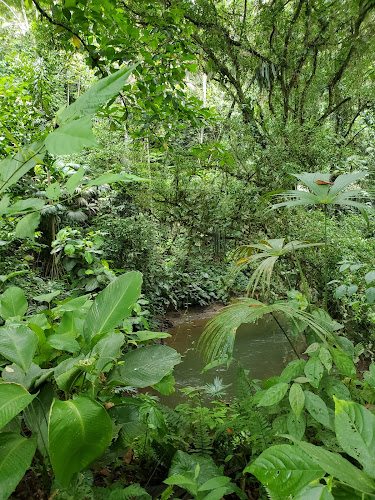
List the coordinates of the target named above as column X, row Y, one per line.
column 286, row 335
column 325, row 258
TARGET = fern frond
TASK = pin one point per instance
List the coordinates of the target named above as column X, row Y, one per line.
column 243, row 384
column 132, row 492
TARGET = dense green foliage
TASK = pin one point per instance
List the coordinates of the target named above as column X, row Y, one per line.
column 163, row 155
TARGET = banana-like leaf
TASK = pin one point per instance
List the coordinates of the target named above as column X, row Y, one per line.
column 18, row 344
column 112, row 305
column 79, row 432
column 13, row 399
column 145, row 366
column 13, row 303
column 16, row 453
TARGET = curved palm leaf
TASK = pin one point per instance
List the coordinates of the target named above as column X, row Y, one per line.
column 267, row 250
column 323, row 194
column 217, row 340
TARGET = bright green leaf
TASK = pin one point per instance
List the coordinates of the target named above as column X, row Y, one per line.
column 274, row 394
column 18, row 344
column 112, row 305
column 13, row 399
column 13, row 303
column 145, row 366
column 296, row 398
column 79, row 432
column 16, row 453
column 27, row 225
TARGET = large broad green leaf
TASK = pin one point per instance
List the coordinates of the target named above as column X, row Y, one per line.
column 16, row 453
column 97, row 95
column 36, row 416
column 63, row 342
column 13, row 399
column 67, row 372
column 13, row 168
column 13, row 303
column 79, row 432
column 15, row 375
column 166, row 385
column 46, row 297
column 285, row 469
column 24, row 206
column 27, row 225
column 355, row 431
column 293, row 370
column 314, row 371
column 127, row 416
column 335, row 465
column 71, row 137
column 296, row 425
column 18, row 344
column 145, row 366
column 53, row 191
column 108, row 349
column 112, row 305
column 109, row 178
column 74, row 180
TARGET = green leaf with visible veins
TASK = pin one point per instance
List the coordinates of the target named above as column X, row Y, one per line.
column 71, row 137
column 16, row 453
column 79, row 432
column 112, row 305
column 355, row 431
column 285, row 469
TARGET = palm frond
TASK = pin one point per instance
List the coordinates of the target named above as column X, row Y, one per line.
column 321, row 194
column 309, row 179
column 270, row 251
column 264, row 272
column 297, row 245
column 345, row 180
column 217, row 340
column 303, row 198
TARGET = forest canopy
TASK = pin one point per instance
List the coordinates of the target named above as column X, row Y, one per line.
column 161, row 156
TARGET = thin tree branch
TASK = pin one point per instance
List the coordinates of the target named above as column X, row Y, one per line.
column 57, row 23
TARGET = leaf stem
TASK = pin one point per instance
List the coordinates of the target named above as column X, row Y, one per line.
column 286, row 335
column 325, row 258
